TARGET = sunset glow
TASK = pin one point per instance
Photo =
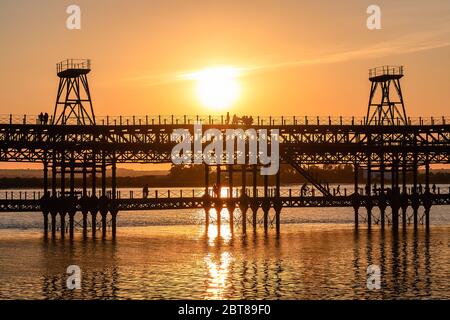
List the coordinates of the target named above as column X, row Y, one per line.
column 217, row 87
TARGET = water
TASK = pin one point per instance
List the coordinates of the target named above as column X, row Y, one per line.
column 168, row 255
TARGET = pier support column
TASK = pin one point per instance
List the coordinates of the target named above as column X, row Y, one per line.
column 266, row 203
column 53, row 216
column 45, row 214
column 277, row 203
column 427, row 196
column 394, row 197
column 94, row 223
column 113, row 223
column 207, row 217
column 404, row 195
column 244, row 217
column 266, row 209
column 368, row 191
column 104, row 216
column 243, row 203
column 84, row 213
column 219, row 218
column 71, row 224
column 231, row 207
column 415, row 195
column 254, row 203
column 278, row 219
column 62, row 216
column 113, row 206
column 356, row 198
column 254, row 206
column 382, row 195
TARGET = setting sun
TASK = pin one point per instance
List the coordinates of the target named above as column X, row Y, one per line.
column 217, row 87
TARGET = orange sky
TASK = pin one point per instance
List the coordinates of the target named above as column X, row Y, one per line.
column 303, row 57
column 300, row 57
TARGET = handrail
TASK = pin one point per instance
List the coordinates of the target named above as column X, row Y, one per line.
column 220, row 120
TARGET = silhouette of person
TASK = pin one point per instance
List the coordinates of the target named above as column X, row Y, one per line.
column 433, row 188
column 304, row 188
column 145, row 191
column 41, row 118
column 228, row 118
column 338, row 190
column 420, row 188
column 46, row 118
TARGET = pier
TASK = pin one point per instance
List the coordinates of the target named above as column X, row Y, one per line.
column 76, row 144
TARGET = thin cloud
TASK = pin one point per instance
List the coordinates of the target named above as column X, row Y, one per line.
column 411, row 43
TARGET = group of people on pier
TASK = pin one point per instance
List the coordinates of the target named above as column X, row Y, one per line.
column 43, row 118
column 246, row 120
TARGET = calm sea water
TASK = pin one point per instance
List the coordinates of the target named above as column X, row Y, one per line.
column 169, row 255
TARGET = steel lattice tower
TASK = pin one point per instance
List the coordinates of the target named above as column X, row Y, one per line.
column 389, row 109
column 73, row 100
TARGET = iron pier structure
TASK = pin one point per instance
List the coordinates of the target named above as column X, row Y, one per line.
column 75, row 144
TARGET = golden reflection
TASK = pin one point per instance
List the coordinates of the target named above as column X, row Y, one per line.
column 218, row 269
column 216, row 233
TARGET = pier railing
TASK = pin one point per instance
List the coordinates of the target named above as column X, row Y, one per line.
column 220, row 120
column 200, row 192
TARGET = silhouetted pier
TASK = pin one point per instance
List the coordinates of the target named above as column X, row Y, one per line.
column 75, row 143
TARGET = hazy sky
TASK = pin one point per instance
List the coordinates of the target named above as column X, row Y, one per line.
column 300, row 57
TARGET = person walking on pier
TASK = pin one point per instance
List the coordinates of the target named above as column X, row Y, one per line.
column 433, row 188
column 41, row 118
column 304, row 189
column 338, row 190
column 45, row 118
column 145, row 192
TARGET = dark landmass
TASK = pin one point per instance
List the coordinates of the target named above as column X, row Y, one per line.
column 193, row 176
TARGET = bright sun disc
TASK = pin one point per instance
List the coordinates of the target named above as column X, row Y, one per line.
column 217, row 87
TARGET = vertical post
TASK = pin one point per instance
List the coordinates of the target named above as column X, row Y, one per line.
column 231, row 205
column 382, row 195
column 266, row 198
column 278, row 201
column 72, row 196
column 415, row 191
column 368, row 191
column 62, row 209
column 45, row 174
column 113, row 196
column 244, row 198
column 207, row 196
column 54, row 174
column 94, row 196
column 404, row 192
column 356, row 195
column 103, row 202
column 394, row 207
column 427, row 200
column 103, row 174
column 255, row 196
column 46, row 198
column 219, row 191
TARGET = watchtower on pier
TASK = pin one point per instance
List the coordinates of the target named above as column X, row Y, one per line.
column 73, row 100
column 386, row 107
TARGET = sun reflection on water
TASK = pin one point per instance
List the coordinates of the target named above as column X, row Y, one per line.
column 217, row 266
column 223, row 234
